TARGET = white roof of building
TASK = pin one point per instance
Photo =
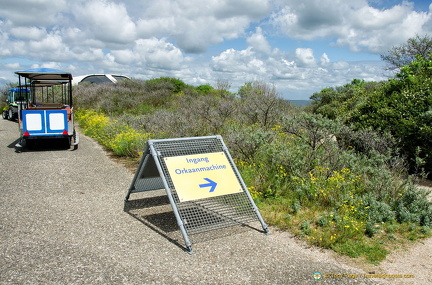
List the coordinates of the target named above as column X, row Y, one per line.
column 98, row 78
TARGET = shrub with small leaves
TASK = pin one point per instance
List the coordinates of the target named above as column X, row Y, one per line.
column 413, row 206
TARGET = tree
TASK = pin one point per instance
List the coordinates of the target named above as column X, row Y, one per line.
column 223, row 87
column 338, row 102
column 403, row 107
column 261, row 104
column 204, row 89
column 404, row 54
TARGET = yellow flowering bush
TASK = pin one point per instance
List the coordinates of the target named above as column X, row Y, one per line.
column 94, row 124
column 128, row 142
column 122, row 139
column 328, row 187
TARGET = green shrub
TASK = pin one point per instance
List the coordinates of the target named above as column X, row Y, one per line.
column 204, row 89
column 414, row 207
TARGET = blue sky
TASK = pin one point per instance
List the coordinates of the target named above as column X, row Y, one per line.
column 299, row 46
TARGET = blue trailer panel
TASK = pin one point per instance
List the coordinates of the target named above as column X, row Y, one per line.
column 44, row 122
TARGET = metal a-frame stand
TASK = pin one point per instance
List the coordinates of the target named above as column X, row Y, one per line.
column 204, row 213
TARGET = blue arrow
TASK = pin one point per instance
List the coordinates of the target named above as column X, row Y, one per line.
column 210, row 183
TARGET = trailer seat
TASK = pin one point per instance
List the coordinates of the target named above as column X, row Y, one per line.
column 50, row 106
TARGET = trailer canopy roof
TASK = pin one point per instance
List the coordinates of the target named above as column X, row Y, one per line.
column 19, row 89
column 45, row 74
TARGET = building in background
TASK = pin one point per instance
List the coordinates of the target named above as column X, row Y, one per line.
column 99, row 78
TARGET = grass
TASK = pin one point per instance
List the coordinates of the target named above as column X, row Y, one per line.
column 373, row 251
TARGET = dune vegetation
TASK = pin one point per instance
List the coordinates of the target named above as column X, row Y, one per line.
column 340, row 173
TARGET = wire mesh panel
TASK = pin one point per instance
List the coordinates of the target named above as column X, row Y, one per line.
column 215, row 207
column 147, row 177
column 217, row 212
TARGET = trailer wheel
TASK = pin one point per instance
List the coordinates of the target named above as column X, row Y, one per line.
column 5, row 114
column 75, row 147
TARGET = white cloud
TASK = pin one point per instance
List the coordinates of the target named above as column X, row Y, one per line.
column 36, row 45
column 106, row 21
column 150, row 53
column 242, row 61
column 157, row 53
column 31, row 12
column 195, row 25
column 125, row 56
column 50, row 43
column 28, row 33
column 324, row 60
column 297, row 75
column 258, row 42
column 253, row 9
column 352, row 23
column 305, row 57
column 14, row 65
column 51, row 48
column 311, row 19
column 340, row 65
column 226, row 60
column 53, row 65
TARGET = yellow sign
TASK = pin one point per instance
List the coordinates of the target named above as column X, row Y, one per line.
column 201, row 176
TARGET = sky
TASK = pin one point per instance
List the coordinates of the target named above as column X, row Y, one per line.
column 300, row 46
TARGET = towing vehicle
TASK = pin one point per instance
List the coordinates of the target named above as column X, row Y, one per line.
column 48, row 114
column 15, row 97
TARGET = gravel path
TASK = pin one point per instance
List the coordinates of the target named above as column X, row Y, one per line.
column 63, row 221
